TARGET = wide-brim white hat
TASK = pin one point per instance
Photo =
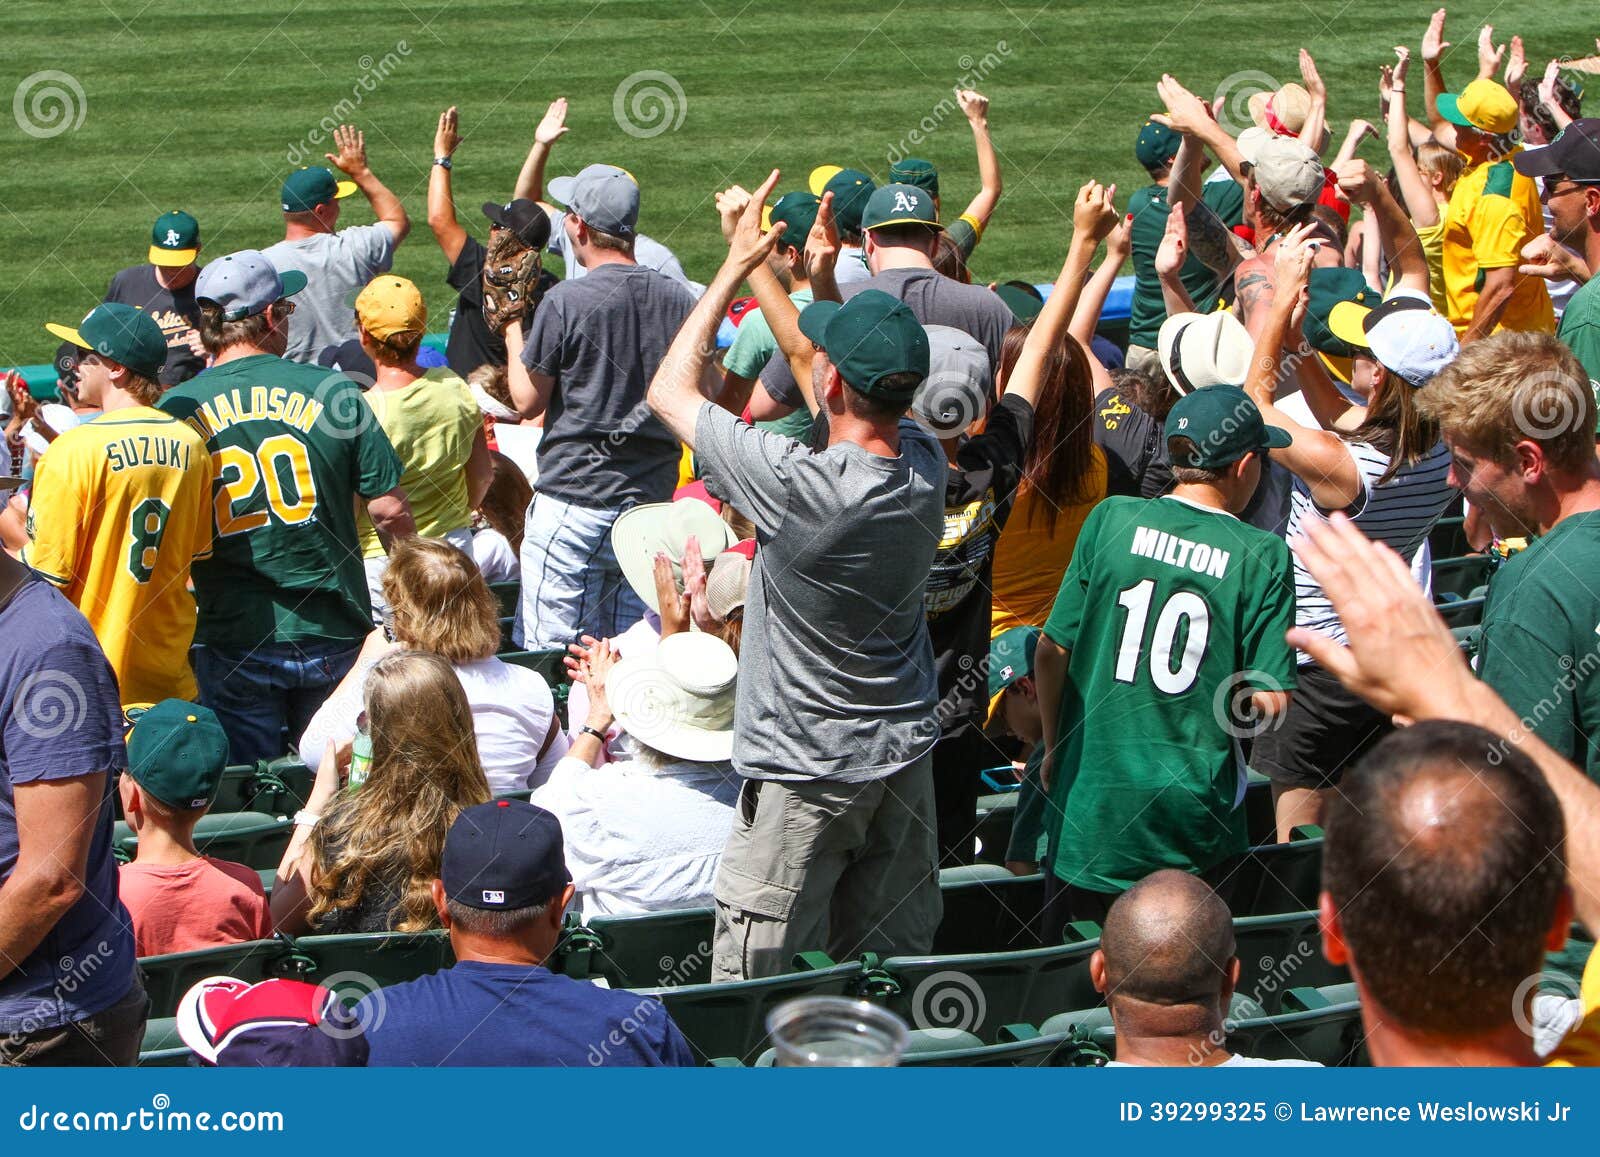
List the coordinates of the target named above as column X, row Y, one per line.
column 680, row 700
column 1204, row 349
column 638, row 535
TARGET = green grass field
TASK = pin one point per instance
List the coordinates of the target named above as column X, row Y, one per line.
column 201, row 104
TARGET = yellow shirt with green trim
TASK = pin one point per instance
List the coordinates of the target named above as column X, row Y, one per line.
column 1494, row 211
column 121, row 506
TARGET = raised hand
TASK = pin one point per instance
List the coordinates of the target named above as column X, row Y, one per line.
column 731, row 203
column 1402, row 64
column 351, row 159
column 1119, row 242
column 1358, row 181
column 1311, row 77
column 674, row 604
column 1093, row 214
column 822, row 243
column 1544, row 256
column 1297, row 252
column 1516, row 65
column 448, row 135
column 553, row 125
column 1489, row 54
column 1186, row 112
column 694, row 586
column 974, row 104
column 1174, row 248
column 749, row 245
column 1433, row 41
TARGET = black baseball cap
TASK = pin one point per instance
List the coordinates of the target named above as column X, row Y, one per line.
column 502, row 855
column 524, row 218
column 1574, row 153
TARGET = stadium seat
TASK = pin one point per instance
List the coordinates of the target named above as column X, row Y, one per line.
column 508, row 596
column 167, row 978
column 549, row 664
column 1315, row 1024
column 981, row 991
column 162, row 1047
column 353, row 964
column 1277, row 953
column 1455, row 578
column 276, row 788
column 988, row 913
column 1260, row 819
column 729, row 1019
column 1278, row 878
column 1448, row 538
column 995, row 813
column 1468, row 638
column 248, row 838
column 1461, row 612
column 655, row 949
column 508, row 642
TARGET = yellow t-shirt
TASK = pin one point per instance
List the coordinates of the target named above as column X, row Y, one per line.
column 433, row 424
column 1031, row 558
column 121, row 506
column 1493, row 212
column 1580, row 1048
column 1432, row 240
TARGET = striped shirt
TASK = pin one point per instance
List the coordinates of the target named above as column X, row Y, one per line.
column 1399, row 513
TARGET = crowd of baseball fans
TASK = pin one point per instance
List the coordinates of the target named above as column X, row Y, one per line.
column 815, row 542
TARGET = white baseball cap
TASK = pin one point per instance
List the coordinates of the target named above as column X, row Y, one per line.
column 1403, row 333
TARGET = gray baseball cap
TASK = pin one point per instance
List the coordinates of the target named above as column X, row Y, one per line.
column 603, row 196
column 245, row 283
column 955, row 393
column 1287, row 172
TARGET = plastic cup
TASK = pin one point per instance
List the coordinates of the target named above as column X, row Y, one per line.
column 836, row 1032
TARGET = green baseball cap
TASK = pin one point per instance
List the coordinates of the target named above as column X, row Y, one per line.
column 305, row 189
column 1157, row 145
column 174, row 240
column 799, row 212
column 176, row 752
column 900, row 205
column 851, row 189
column 1224, row 425
column 128, row 336
column 868, row 338
column 1330, row 286
column 1023, row 300
column 915, row 171
column 1011, row 657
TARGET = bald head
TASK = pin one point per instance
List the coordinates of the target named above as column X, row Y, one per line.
column 1168, row 940
column 1444, row 866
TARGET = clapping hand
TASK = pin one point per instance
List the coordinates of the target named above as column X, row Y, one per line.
column 553, row 125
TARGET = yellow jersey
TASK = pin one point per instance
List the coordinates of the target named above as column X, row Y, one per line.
column 121, row 506
column 1494, row 211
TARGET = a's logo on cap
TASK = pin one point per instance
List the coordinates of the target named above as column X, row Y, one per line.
column 172, row 237
column 494, row 897
column 904, row 203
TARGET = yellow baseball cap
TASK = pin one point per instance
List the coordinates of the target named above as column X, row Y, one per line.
column 391, row 305
column 1485, row 105
column 820, row 176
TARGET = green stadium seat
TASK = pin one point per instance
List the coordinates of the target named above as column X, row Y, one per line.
column 549, row 664
column 1322, row 1025
column 1260, row 818
column 652, row 950
column 1461, row 612
column 167, row 978
column 1280, row 952
column 1455, row 578
column 508, row 596
column 988, row 913
column 981, row 991
column 729, row 1019
column 1468, row 638
column 276, row 788
column 248, row 838
column 1448, row 538
column 353, row 964
column 508, row 642
column 1278, row 878
column 162, row 1047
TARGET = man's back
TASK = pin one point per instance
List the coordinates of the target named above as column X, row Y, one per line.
column 293, row 447
column 121, row 508
column 1166, row 604
column 336, row 266
column 601, row 339
column 1494, row 210
column 938, row 300
column 1149, row 208
column 433, row 424
column 174, row 310
column 476, row 1014
column 836, row 673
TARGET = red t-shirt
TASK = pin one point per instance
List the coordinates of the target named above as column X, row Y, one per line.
column 200, row 904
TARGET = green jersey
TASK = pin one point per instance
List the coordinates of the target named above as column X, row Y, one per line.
column 1540, row 643
column 1222, row 199
column 1580, row 329
column 1172, row 613
column 292, row 448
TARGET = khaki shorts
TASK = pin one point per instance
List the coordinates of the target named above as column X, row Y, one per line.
column 842, row 868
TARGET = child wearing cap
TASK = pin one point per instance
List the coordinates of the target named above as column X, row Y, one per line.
column 179, row 899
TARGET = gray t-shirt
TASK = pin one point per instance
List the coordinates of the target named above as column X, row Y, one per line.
column 337, row 266
column 601, row 338
column 836, row 675
column 647, row 251
column 938, row 300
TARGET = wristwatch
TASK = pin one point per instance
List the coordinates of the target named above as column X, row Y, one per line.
column 306, row 819
column 442, row 162
column 596, row 732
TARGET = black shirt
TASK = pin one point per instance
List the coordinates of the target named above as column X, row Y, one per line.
column 1134, row 446
column 471, row 343
column 175, row 312
column 979, row 494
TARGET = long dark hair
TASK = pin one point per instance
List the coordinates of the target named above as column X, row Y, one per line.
column 1396, row 425
column 1061, row 458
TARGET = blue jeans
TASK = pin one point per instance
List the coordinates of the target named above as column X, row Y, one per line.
column 260, row 694
column 572, row 584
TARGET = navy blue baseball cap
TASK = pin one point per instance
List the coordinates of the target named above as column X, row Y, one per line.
column 502, row 855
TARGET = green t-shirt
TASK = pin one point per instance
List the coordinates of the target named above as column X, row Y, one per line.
column 1150, row 210
column 432, row 424
column 1168, row 610
column 292, row 448
column 1540, row 643
column 1580, row 329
